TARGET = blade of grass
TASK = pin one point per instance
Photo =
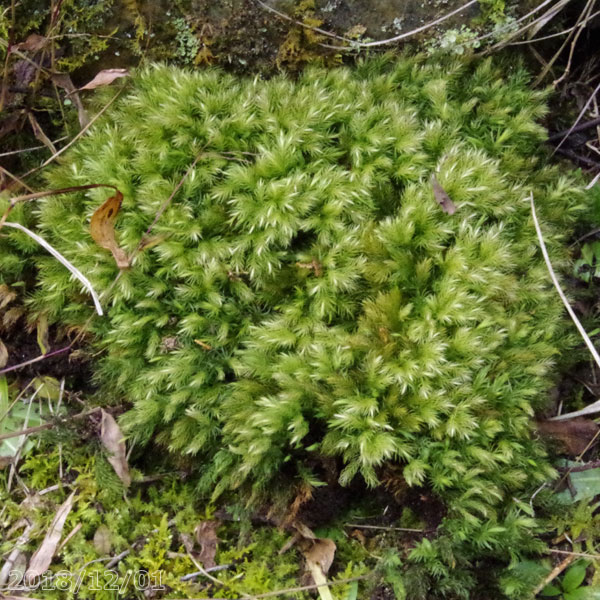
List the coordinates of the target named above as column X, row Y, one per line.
column 76, row 272
column 594, row 407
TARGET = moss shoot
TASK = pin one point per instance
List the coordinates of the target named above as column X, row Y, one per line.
column 305, row 296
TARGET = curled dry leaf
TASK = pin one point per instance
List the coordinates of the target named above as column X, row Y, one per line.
column 42, row 557
column 442, row 197
column 206, row 536
column 105, row 77
column 102, row 228
column 321, row 552
column 574, row 435
column 319, row 555
column 112, row 438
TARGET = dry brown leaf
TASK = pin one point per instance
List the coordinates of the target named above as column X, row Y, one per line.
column 42, row 557
column 442, row 197
column 33, row 43
column 575, row 435
column 64, row 81
column 105, row 77
column 3, row 355
column 206, row 536
column 102, row 540
column 7, row 295
column 319, row 554
column 112, row 438
column 102, row 228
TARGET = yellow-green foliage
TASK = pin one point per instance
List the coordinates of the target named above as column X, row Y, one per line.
column 307, row 296
column 149, row 523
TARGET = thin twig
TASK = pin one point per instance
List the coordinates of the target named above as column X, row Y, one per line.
column 12, row 152
column 383, row 528
column 36, row 359
column 595, row 407
column 581, row 26
column 574, row 129
column 554, row 574
column 166, row 203
column 357, row 44
column 544, row 71
column 37, row 195
column 44, row 426
column 79, row 134
column 594, row 464
column 14, row 178
column 583, row 554
column 572, row 314
column 590, row 164
column 206, row 574
column 559, row 34
column 593, row 182
column 190, row 576
column 520, row 30
column 301, row 588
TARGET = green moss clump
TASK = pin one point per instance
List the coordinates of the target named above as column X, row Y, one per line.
column 306, row 295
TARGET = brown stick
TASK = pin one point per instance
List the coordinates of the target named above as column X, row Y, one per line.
column 37, row 428
column 554, row 573
column 594, row 464
column 568, row 132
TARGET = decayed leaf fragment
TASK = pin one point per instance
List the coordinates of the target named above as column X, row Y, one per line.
column 206, row 536
column 318, row 552
column 42, row 557
column 112, row 438
column 442, row 197
column 319, row 555
column 575, row 435
column 102, row 228
column 33, row 43
column 105, row 77
column 102, row 540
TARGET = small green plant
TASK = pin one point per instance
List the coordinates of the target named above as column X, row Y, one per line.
column 307, row 301
column 570, row 586
column 587, row 267
column 188, row 45
column 456, row 41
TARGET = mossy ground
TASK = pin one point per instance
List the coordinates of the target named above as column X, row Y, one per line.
column 240, row 38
